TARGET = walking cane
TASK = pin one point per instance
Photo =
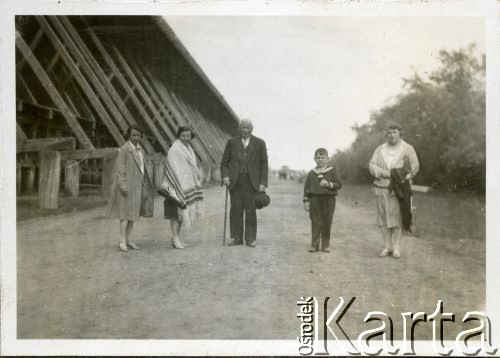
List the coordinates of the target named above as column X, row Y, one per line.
column 225, row 220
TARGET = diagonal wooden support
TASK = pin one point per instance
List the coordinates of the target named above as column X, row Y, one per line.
column 143, row 94
column 98, row 77
column 219, row 141
column 33, row 44
column 59, row 46
column 208, row 128
column 181, row 117
column 158, row 97
column 20, row 135
column 26, row 88
column 186, row 112
column 53, row 93
column 168, row 128
column 218, row 133
column 125, row 84
column 168, row 108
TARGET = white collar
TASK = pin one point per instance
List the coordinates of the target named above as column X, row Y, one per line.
column 322, row 170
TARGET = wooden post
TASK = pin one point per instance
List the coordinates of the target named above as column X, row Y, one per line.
column 108, row 175
column 72, row 177
column 30, row 182
column 18, row 178
column 50, row 176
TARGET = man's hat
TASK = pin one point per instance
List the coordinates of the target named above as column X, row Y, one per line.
column 261, row 200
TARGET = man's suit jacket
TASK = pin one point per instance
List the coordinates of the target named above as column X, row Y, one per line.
column 257, row 161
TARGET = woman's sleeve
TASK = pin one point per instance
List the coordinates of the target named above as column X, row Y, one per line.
column 374, row 168
column 121, row 171
column 412, row 156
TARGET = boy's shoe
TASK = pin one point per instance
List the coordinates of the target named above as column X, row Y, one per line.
column 313, row 249
column 326, row 250
column 250, row 244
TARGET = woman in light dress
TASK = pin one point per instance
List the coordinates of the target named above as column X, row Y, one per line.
column 387, row 156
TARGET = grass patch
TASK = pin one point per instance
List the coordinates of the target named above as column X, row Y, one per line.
column 28, row 207
column 438, row 214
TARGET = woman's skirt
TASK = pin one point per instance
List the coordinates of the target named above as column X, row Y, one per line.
column 388, row 211
column 187, row 216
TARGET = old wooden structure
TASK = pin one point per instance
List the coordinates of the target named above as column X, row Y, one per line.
column 82, row 80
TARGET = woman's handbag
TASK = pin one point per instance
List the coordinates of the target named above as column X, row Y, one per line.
column 168, row 192
column 148, row 198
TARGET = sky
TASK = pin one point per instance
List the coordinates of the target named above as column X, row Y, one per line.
column 305, row 81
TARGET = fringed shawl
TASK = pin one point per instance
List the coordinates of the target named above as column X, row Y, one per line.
column 184, row 176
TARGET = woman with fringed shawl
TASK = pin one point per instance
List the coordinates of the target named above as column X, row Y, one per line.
column 183, row 176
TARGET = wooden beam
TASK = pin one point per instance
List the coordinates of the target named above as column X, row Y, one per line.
column 20, row 135
column 201, row 144
column 72, row 177
column 59, row 46
column 209, row 126
column 52, row 92
column 80, row 154
column 216, row 131
column 31, row 97
column 167, row 127
column 50, row 176
column 94, row 71
column 118, row 74
column 149, row 103
column 52, row 62
column 46, row 144
column 163, row 100
column 216, row 154
column 33, row 44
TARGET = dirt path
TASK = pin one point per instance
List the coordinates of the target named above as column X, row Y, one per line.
column 74, row 283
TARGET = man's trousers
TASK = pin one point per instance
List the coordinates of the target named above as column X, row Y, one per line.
column 243, row 206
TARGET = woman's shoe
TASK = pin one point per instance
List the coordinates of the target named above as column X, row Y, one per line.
column 184, row 244
column 176, row 243
column 385, row 252
column 396, row 254
column 123, row 247
column 133, row 245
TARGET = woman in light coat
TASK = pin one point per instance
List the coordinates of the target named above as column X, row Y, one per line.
column 130, row 189
column 387, row 156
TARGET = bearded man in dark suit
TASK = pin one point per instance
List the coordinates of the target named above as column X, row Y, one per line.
column 244, row 171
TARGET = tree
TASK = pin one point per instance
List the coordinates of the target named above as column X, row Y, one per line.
column 443, row 117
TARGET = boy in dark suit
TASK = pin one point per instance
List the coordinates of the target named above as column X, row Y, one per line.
column 320, row 190
column 244, row 171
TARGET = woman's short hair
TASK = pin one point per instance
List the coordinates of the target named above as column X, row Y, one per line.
column 183, row 129
column 394, row 125
column 130, row 129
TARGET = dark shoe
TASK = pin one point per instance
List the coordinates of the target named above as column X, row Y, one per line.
column 250, row 244
column 235, row 242
column 313, row 249
column 326, row 250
